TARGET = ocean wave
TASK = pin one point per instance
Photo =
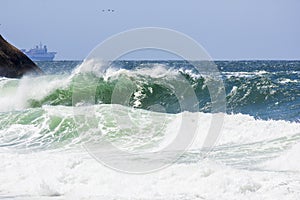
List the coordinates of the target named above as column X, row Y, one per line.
column 44, row 134
column 131, row 129
column 154, row 85
column 74, row 174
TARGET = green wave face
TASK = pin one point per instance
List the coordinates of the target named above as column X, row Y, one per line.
column 243, row 94
column 60, row 126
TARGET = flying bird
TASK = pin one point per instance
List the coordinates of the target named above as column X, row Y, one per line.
column 108, row 10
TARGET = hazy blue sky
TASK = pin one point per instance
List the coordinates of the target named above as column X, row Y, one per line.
column 230, row 29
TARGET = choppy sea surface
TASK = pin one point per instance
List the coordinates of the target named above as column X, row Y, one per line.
column 256, row 156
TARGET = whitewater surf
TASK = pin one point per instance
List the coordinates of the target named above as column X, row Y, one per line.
column 42, row 149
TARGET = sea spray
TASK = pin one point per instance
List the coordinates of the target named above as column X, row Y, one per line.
column 43, row 156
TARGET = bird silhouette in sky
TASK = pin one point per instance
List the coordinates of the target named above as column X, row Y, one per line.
column 108, row 10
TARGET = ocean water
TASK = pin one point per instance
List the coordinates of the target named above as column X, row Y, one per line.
column 43, row 150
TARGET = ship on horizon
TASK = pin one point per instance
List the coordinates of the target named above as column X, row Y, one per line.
column 39, row 53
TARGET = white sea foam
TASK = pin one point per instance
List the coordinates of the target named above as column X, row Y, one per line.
column 289, row 160
column 69, row 172
column 14, row 94
column 153, row 71
column 241, row 129
column 98, row 67
column 144, row 125
column 245, row 73
column 75, row 175
column 287, row 80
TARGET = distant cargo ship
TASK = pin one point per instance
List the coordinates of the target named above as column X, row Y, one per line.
column 39, row 53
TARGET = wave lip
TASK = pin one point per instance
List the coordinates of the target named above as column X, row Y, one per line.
column 270, row 95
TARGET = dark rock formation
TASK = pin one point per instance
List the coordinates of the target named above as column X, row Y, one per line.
column 14, row 63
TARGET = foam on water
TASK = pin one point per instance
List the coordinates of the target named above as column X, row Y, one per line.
column 14, row 94
column 42, row 157
column 53, row 123
column 288, row 161
column 69, row 175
